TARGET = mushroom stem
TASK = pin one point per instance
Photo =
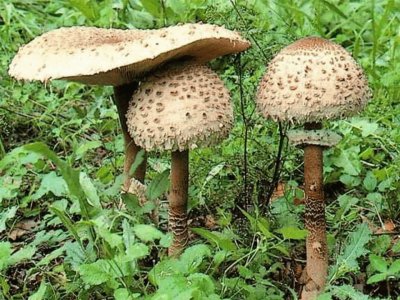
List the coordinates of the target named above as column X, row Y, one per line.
column 178, row 197
column 316, row 243
column 122, row 96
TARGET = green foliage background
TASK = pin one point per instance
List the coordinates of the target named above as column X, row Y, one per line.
column 85, row 245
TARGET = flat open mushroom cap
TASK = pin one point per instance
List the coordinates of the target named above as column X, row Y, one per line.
column 179, row 108
column 114, row 56
column 312, row 80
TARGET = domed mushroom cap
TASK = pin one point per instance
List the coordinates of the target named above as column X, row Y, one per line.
column 311, row 80
column 114, row 56
column 180, row 108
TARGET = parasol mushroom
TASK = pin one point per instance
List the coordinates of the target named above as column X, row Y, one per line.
column 307, row 82
column 119, row 58
column 179, row 108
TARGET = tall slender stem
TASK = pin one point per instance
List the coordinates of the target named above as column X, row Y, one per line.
column 316, row 243
column 122, row 96
column 178, row 197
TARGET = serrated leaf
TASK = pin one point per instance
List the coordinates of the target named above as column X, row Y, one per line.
column 378, row 263
column 294, row 233
column 346, row 292
column 367, row 128
column 158, row 186
column 147, row 233
column 95, row 273
column 51, row 183
column 355, row 248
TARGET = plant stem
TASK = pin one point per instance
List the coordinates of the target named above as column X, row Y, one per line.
column 316, row 243
column 178, row 197
column 122, row 96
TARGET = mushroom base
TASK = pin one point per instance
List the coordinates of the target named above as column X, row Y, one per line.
column 316, row 243
column 178, row 197
column 122, row 96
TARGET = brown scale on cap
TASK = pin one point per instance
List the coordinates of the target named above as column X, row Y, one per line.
column 187, row 119
column 309, row 64
column 114, row 56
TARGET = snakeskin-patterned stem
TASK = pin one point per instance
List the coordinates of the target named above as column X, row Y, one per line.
column 178, row 197
column 316, row 243
column 122, row 96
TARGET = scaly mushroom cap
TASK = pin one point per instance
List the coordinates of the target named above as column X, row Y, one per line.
column 114, row 56
column 312, row 80
column 180, row 107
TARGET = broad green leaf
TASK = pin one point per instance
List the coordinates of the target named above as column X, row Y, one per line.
column 290, row 232
column 51, row 183
column 396, row 247
column 370, row 182
column 88, row 8
column 138, row 160
column 153, row 7
column 25, row 253
column 5, row 253
column 346, row 292
column 348, row 162
column 136, row 251
column 215, row 238
column 377, row 278
column 95, row 273
column 40, row 293
column 52, row 255
column 378, row 263
column 113, row 239
column 147, row 233
column 83, row 148
column 367, row 128
column 158, row 186
column 127, row 234
column 70, row 175
column 5, row 215
column 67, row 223
column 394, row 268
column 166, row 240
column 125, row 294
column 89, row 190
column 193, row 256
column 355, row 247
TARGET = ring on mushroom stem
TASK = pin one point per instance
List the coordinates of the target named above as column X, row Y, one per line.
column 119, row 58
column 307, row 82
column 188, row 121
